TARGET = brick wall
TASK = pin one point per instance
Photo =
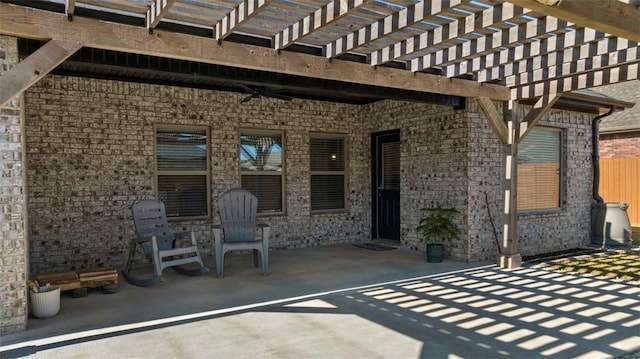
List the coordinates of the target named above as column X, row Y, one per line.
column 433, row 164
column 13, row 275
column 485, row 193
column 571, row 227
column 619, row 145
column 90, row 156
column 453, row 158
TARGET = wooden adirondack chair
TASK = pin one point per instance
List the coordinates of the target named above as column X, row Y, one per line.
column 237, row 230
column 159, row 245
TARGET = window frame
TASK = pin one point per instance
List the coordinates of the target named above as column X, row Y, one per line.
column 344, row 173
column 281, row 173
column 561, row 133
column 206, row 172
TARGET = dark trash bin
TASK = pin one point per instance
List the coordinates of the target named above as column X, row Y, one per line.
column 610, row 225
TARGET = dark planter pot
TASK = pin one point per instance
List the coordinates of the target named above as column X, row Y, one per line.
column 435, row 252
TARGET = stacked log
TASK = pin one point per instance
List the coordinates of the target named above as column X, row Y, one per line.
column 66, row 280
column 81, row 279
column 98, row 278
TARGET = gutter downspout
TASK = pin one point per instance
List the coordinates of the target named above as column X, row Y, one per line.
column 595, row 157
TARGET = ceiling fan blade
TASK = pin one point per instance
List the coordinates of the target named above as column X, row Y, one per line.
column 278, row 96
column 246, row 88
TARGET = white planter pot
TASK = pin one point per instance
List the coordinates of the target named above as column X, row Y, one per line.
column 45, row 304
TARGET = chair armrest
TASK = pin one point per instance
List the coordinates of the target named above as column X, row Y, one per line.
column 217, row 235
column 140, row 240
column 266, row 229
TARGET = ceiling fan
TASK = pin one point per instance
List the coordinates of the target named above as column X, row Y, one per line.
column 259, row 91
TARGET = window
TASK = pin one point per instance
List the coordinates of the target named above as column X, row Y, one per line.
column 261, row 155
column 540, row 170
column 183, row 171
column 327, row 172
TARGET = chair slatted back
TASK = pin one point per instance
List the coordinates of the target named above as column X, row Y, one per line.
column 150, row 219
column 238, row 208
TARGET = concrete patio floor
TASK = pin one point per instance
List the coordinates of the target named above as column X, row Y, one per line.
column 344, row 302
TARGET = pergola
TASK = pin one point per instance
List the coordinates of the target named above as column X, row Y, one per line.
column 491, row 50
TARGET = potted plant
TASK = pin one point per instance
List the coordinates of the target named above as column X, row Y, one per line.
column 436, row 226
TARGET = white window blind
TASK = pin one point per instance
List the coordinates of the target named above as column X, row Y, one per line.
column 261, row 156
column 539, row 170
column 182, row 171
column 327, row 173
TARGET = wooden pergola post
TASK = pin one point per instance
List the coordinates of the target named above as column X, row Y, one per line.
column 511, row 128
column 509, row 257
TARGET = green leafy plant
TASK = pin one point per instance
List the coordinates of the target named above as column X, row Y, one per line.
column 438, row 224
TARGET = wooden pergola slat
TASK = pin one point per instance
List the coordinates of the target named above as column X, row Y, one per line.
column 616, row 50
column 573, row 68
column 487, row 44
column 157, row 10
column 454, row 30
column 327, row 14
column 69, row 8
column 388, row 25
column 601, row 77
column 240, row 14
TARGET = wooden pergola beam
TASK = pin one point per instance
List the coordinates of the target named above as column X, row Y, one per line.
column 610, row 16
column 495, row 118
column 33, row 68
column 540, row 108
column 27, row 22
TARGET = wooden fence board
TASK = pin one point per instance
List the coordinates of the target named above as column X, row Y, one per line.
column 620, row 182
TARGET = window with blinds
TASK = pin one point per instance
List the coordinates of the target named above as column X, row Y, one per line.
column 540, row 170
column 182, row 164
column 261, row 169
column 328, row 162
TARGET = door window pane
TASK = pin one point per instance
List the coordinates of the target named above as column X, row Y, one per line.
column 391, row 165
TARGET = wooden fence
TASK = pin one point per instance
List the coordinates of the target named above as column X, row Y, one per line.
column 620, row 182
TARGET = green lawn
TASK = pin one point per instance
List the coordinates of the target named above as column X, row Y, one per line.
column 624, row 266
